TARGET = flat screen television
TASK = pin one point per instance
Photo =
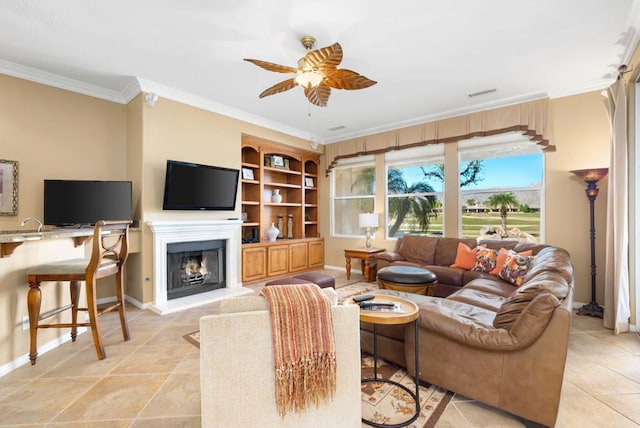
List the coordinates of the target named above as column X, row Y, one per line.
column 84, row 202
column 192, row 186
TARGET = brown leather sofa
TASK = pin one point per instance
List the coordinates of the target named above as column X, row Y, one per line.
column 437, row 254
column 503, row 345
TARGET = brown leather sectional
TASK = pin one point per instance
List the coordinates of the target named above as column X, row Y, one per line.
column 488, row 339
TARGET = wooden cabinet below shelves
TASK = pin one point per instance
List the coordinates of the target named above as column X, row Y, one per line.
column 263, row 261
column 254, row 263
column 277, row 260
column 316, row 254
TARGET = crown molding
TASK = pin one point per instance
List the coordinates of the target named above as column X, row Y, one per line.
column 214, row 107
column 60, row 82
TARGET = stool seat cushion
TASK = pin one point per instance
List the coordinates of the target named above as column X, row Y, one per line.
column 406, row 275
column 72, row 266
column 321, row 279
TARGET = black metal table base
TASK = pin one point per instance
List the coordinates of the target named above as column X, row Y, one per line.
column 415, row 396
column 407, row 390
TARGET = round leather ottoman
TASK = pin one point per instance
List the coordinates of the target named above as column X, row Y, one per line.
column 408, row 279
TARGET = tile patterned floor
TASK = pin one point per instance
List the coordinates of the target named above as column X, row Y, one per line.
column 153, row 380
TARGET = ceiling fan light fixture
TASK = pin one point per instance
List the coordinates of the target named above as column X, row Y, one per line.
column 309, row 79
column 317, row 73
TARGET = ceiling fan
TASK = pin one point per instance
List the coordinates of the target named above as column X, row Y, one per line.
column 317, row 73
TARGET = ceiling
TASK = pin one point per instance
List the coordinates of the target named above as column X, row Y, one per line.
column 426, row 55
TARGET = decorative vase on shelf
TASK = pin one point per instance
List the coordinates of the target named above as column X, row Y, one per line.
column 276, row 196
column 280, row 229
column 290, row 226
column 272, row 233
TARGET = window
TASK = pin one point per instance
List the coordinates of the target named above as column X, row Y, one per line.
column 353, row 186
column 414, row 191
column 500, row 187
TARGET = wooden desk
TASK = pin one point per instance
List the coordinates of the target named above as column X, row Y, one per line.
column 364, row 254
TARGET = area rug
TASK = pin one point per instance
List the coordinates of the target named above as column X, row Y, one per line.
column 354, row 289
column 383, row 403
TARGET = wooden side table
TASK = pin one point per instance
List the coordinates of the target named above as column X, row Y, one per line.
column 364, row 254
column 408, row 313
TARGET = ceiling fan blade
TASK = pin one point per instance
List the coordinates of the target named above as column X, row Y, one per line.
column 318, row 95
column 279, row 87
column 272, row 67
column 324, row 58
column 347, row 79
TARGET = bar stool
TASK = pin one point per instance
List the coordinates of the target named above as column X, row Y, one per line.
column 108, row 256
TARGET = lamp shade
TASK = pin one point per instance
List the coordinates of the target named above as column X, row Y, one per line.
column 368, row 220
column 592, row 174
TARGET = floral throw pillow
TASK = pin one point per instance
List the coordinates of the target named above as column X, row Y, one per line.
column 515, row 268
column 486, row 260
column 502, row 257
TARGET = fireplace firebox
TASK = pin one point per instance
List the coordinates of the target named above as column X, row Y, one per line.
column 195, row 267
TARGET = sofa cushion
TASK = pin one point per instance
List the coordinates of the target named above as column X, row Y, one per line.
column 482, row 298
column 491, row 284
column 515, row 268
column 470, row 275
column 418, row 249
column 447, row 275
column 465, row 257
column 551, row 259
column 389, row 256
column 513, row 307
column 486, row 259
column 529, row 246
column 447, row 250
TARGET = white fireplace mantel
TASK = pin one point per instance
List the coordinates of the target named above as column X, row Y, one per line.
column 169, row 232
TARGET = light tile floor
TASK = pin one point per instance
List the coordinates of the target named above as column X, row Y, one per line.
column 153, row 380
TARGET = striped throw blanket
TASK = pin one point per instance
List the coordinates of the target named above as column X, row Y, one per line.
column 303, row 346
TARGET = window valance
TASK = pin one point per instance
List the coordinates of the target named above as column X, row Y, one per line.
column 531, row 118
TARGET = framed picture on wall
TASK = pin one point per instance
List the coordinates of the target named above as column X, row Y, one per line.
column 8, row 187
column 247, row 174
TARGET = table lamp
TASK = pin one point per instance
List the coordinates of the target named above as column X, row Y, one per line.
column 368, row 220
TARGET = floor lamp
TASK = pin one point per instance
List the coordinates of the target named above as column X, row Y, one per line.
column 591, row 177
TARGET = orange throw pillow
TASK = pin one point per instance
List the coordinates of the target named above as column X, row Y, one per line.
column 465, row 257
column 502, row 257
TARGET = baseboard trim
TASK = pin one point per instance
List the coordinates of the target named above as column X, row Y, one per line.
column 63, row 338
column 42, row 349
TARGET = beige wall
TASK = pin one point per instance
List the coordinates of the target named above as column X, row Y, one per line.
column 583, row 140
column 52, row 133
column 581, row 135
column 172, row 130
column 58, row 134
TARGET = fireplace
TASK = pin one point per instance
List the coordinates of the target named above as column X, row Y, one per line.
column 210, row 254
column 195, row 267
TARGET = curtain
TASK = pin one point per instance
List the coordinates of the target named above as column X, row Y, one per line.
column 616, row 292
column 530, row 118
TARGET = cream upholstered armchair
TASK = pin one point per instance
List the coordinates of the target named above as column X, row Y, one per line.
column 237, row 377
